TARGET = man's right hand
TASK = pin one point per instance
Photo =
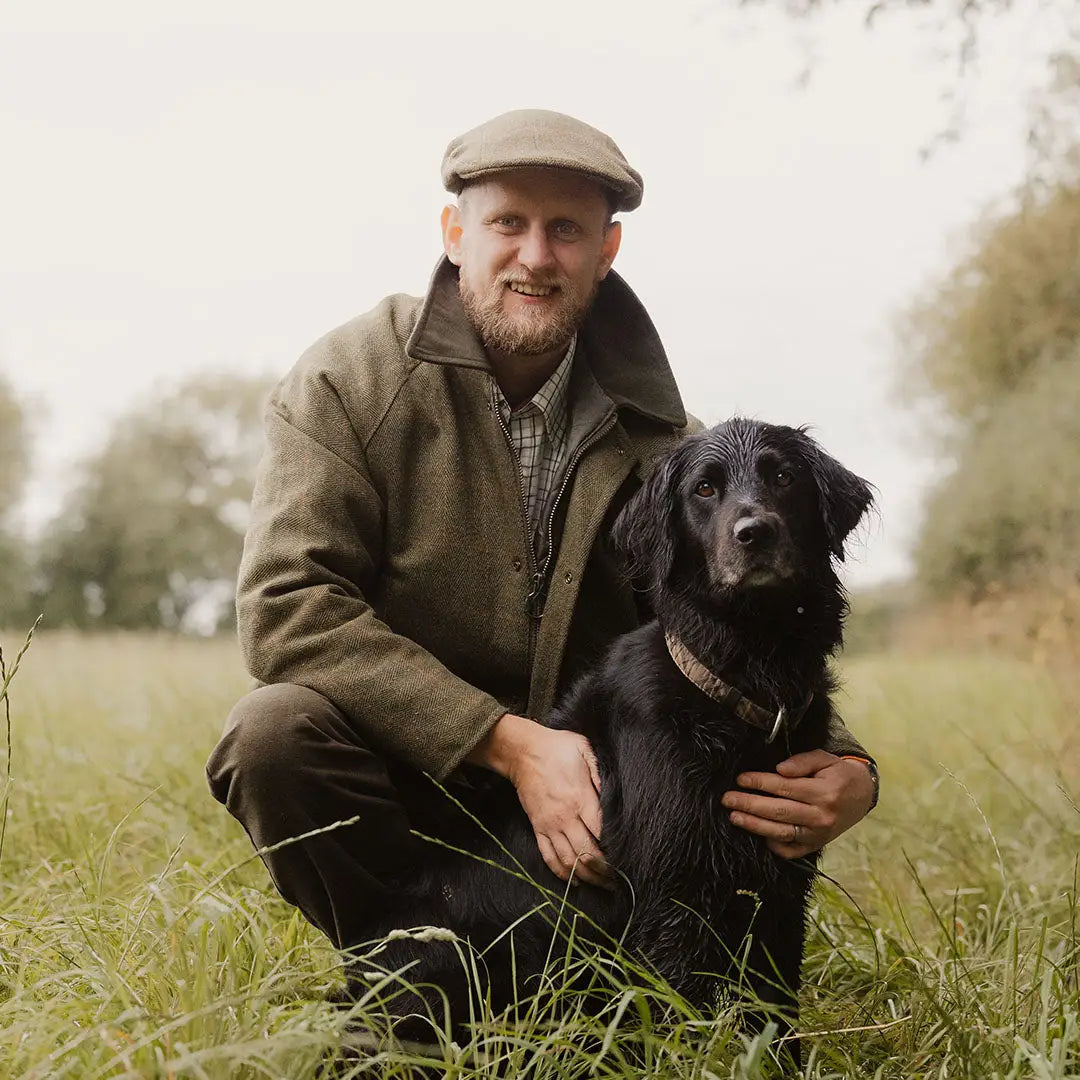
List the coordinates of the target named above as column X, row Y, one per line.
column 558, row 784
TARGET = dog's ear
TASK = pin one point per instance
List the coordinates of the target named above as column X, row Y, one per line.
column 843, row 497
column 643, row 533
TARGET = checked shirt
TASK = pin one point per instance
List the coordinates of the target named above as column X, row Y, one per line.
column 538, row 431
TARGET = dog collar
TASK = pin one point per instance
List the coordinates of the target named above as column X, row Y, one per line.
column 726, row 694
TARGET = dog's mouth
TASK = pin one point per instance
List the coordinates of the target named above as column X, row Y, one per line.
column 764, row 575
column 760, row 572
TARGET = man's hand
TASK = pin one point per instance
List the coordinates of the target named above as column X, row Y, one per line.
column 558, row 784
column 816, row 797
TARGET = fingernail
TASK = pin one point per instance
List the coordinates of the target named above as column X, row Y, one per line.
column 736, row 819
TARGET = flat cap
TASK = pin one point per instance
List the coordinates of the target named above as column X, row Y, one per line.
column 529, row 138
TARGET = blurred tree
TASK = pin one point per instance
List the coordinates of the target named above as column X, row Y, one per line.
column 1009, row 513
column 14, row 465
column 151, row 533
column 1012, row 304
column 955, row 24
column 954, row 31
column 995, row 348
column 14, row 449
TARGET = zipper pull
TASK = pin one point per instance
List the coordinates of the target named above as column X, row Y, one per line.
column 534, row 602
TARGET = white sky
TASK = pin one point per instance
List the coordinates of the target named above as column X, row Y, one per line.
column 218, row 186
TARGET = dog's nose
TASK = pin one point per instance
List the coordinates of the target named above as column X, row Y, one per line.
column 754, row 531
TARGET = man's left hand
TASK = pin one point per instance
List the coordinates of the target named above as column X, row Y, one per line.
column 811, row 799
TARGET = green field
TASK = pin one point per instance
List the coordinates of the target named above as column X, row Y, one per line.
column 138, row 938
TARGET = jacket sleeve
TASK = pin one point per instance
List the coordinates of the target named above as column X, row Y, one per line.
column 840, row 741
column 311, row 554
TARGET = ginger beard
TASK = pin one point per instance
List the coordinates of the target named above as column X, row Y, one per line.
column 528, row 327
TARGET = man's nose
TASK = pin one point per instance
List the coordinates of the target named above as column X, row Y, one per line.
column 535, row 251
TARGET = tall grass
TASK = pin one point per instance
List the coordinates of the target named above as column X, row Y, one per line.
column 140, row 938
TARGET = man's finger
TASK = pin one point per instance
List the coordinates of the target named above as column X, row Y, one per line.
column 789, row 851
column 781, row 810
column 589, row 812
column 550, row 857
column 594, row 769
column 585, row 869
column 591, row 866
column 806, row 764
column 776, row 830
column 783, row 786
column 566, row 853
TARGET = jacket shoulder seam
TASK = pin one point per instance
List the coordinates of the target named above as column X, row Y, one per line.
column 365, row 443
column 314, row 438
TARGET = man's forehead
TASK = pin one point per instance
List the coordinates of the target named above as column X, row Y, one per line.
column 549, row 189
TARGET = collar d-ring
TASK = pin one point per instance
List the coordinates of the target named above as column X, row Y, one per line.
column 781, row 716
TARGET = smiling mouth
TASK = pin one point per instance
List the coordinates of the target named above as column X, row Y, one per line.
column 537, row 292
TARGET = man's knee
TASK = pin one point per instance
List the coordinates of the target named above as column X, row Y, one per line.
column 270, row 736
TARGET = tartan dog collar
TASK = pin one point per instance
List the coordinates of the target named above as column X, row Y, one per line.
column 726, row 694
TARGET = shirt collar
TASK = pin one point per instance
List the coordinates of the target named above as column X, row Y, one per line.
column 618, row 341
column 550, row 399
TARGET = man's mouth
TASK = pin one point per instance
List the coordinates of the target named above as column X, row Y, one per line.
column 530, row 290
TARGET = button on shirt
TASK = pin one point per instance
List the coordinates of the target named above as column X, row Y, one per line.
column 538, row 431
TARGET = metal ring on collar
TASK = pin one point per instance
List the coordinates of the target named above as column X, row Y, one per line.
column 781, row 716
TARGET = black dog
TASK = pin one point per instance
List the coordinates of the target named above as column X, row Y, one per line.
column 734, row 539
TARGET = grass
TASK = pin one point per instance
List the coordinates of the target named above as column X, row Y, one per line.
column 140, row 938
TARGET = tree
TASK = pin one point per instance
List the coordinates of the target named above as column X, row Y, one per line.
column 996, row 348
column 14, row 466
column 1010, row 306
column 150, row 536
column 1009, row 513
column 955, row 24
column 955, row 31
column 14, row 449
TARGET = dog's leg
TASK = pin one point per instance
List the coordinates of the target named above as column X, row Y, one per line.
column 773, row 977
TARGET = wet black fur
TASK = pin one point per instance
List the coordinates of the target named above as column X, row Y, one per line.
column 697, row 884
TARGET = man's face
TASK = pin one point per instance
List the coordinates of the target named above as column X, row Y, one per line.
column 532, row 246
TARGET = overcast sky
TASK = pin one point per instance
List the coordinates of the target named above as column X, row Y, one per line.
column 217, row 187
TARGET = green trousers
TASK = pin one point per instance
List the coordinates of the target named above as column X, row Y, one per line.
column 290, row 763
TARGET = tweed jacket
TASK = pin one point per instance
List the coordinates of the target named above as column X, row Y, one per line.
column 388, row 565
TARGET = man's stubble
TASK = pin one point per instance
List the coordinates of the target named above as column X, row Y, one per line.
column 525, row 336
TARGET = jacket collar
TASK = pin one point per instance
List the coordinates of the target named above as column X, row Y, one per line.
column 620, row 342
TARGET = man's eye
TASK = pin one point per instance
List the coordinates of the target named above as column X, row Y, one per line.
column 705, row 490
column 566, row 228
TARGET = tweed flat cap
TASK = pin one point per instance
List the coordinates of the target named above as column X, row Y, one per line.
column 537, row 138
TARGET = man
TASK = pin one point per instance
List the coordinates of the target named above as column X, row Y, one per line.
column 427, row 565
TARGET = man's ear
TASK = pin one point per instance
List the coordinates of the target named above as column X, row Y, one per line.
column 451, row 233
column 610, row 248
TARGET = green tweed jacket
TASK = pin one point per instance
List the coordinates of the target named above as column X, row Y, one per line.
column 387, row 564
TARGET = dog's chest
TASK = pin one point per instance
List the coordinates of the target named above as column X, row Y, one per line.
column 694, row 852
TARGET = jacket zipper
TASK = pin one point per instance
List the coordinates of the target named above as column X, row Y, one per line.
column 535, row 576
column 534, row 604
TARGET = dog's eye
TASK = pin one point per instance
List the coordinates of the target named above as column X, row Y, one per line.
column 784, row 477
column 705, row 490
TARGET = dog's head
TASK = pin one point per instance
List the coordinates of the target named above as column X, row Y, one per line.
column 744, row 506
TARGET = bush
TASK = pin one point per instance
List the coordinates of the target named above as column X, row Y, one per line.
column 1009, row 512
